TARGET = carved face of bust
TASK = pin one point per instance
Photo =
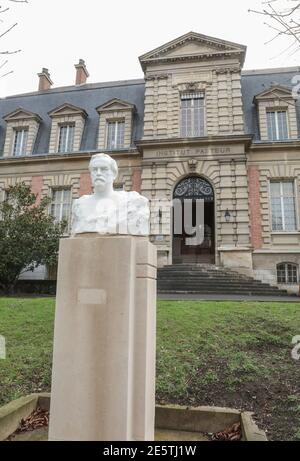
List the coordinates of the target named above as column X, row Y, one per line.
column 101, row 173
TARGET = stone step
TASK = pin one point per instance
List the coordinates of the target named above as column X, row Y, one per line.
column 214, row 292
column 177, row 275
column 223, row 289
column 209, row 279
column 164, row 275
column 201, row 271
column 212, row 287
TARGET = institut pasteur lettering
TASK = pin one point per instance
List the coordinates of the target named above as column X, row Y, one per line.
column 196, row 126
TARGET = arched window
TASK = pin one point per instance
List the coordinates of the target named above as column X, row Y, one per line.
column 287, row 273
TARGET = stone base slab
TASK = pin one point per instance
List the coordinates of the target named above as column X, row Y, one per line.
column 167, row 418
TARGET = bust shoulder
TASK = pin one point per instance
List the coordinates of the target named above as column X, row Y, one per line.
column 136, row 197
column 83, row 198
column 80, row 201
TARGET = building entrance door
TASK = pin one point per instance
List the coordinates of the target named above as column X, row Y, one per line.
column 190, row 190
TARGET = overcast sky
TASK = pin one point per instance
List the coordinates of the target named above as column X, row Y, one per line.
column 111, row 35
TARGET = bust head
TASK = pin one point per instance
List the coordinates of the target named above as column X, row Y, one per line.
column 103, row 170
column 107, row 211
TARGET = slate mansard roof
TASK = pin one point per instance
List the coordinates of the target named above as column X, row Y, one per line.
column 87, row 97
column 255, row 82
column 90, row 96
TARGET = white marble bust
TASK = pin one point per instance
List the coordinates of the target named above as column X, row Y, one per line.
column 107, row 211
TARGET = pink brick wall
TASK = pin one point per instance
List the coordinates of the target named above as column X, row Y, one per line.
column 255, row 212
column 36, row 187
column 85, row 184
column 137, row 180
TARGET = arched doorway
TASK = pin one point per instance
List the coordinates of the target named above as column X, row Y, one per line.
column 189, row 190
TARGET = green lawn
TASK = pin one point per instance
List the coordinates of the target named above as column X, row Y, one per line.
column 235, row 354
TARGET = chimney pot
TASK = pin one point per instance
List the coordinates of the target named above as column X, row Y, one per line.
column 45, row 81
column 81, row 73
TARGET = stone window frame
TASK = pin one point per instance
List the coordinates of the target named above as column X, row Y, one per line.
column 115, row 110
column 286, row 264
column 61, row 181
column 295, row 185
column 54, row 189
column 276, row 98
column 18, row 120
column 64, row 115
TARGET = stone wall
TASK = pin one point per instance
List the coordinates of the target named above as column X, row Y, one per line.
column 223, row 102
column 226, row 173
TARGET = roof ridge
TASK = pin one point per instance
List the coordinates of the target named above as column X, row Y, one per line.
column 274, row 70
column 85, row 87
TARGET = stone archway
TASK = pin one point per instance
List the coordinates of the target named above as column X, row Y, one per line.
column 193, row 188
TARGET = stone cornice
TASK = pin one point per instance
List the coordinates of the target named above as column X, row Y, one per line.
column 228, row 69
column 293, row 144
column 65, row 157
column 184, row 142
column 191, row 58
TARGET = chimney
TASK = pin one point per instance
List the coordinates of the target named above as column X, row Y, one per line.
column 81, row 73
column 45, row 81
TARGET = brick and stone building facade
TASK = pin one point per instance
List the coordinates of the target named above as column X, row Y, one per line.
column 196, row 122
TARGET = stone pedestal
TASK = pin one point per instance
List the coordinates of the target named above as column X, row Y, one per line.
column 103, row 379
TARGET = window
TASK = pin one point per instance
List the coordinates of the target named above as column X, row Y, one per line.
column 66, row 138
column 61, row 204
column 287, row 273
column 20, row 142
column 118, row 187
column 115, row 135
column 277, row 125
column 283, row 206
column 192, row 115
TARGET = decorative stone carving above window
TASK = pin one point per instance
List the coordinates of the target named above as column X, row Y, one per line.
column 117, row 111
column 21, row 132
column 276, row 113
column 66, row 115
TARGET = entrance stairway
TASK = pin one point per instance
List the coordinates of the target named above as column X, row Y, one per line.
column 209, row 279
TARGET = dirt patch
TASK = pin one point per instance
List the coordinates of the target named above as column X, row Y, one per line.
column 273, row 398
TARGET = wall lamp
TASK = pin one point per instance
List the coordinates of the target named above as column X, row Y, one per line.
column 227, row 215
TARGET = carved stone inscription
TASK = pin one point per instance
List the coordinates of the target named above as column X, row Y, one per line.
column 186, row 152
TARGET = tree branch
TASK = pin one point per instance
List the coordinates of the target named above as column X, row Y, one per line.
column 286, row 20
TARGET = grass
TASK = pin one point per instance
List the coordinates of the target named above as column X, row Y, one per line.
column 27, row 325
column 235, row 354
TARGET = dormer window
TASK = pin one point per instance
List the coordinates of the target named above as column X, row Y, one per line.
column 67, row 128
column 115, row 124
column 115, row 135
column 66, row 138
column 276, row 114
column 277, row 123
column 192, row 121
column 21, row 131
column 20, row 142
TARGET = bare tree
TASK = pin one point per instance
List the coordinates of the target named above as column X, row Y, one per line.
column 4, row 30
column 283, row 18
